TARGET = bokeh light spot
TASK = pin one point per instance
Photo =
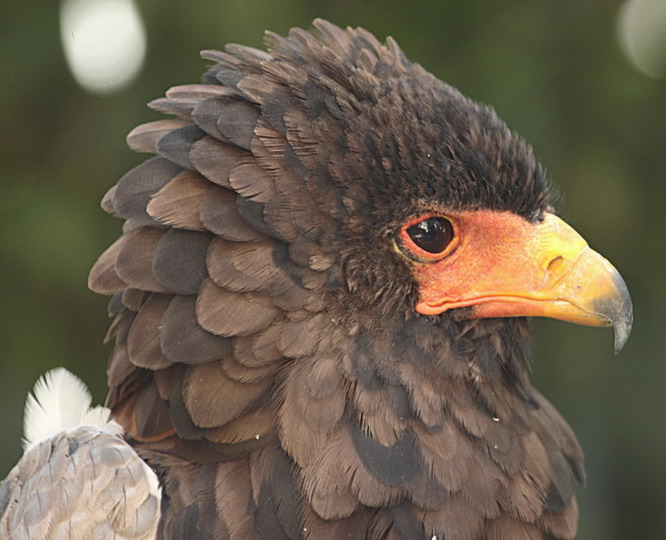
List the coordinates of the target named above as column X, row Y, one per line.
column 104, row 42
column 641, row 27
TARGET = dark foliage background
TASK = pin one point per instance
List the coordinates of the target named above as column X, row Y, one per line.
column 553, row 70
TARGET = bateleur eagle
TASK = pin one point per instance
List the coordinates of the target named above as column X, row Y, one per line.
column 320, row 300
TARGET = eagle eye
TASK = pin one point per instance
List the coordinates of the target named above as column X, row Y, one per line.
column 431, row 235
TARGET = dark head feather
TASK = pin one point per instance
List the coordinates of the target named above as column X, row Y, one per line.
column 372, row 139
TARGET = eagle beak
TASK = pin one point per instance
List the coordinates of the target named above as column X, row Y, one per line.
column 533, row 270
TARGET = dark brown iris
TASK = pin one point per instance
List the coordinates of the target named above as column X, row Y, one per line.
column 432, row 235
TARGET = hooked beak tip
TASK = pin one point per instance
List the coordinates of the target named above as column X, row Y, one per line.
column 620, row 313
column 615, row 307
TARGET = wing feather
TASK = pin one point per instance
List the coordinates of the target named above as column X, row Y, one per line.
column 78, row 477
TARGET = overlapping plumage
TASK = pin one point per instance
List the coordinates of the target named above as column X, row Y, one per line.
column 273, row 361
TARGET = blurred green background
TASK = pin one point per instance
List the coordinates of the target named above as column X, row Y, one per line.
column 553, row 70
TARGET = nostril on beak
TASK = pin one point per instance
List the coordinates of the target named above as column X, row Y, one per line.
column 555, row 264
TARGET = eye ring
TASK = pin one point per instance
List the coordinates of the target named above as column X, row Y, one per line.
column 428, row 238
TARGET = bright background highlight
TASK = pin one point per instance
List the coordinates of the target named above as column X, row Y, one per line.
column 104, row 42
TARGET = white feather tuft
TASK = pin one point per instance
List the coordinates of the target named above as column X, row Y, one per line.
column 61, row 401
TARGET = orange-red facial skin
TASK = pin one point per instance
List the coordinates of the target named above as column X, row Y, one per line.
column 505, row 266
column 493, row 252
